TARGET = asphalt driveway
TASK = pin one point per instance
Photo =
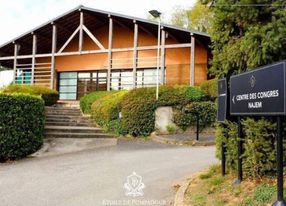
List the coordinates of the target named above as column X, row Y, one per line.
column 97, row 177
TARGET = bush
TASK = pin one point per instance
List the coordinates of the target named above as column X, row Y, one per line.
column 107, row 108
column 87, row 100
column 259, row 145
column 49, row 96
column 210, row 89
column 138, row 111
column 179, row 95
column 21, row 125
column 187, row 116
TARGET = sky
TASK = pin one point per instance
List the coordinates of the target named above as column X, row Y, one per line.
column 20, row 16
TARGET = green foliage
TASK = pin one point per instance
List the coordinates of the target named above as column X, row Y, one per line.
column 187, row 116
column 138, row 111
column 264, row 193
column 107, row 108
column 210, row 89
column 259, row 145
column 171, row 129
column 87, row 100
column 49, row 96
column 245, row 37
column 21, row 125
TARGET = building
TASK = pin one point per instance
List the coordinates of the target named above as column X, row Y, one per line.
column 86, row 49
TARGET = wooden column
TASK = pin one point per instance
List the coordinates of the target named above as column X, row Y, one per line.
column 81, row 32
column 135, row 53
column 109, row 65
column 34, row 51
column 15, row 61
column 163, row 39
column 192, row 60
column 53, row 58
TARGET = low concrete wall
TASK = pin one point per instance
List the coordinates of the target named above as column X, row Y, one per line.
column 163, row 119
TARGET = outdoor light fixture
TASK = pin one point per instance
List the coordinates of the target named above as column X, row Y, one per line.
column 157, row 14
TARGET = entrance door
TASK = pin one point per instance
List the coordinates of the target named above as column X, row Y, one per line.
column 68, row 85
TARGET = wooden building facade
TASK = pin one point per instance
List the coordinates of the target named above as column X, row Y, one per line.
column 86, row 50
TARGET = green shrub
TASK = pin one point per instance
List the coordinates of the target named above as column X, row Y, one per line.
column 49, row 96
column 107, row 108
column 187, row 116
column 138, row 111
column 210, row 88
column 259, row 145
column 22, row 120
column 87, row 100
column 178, row 95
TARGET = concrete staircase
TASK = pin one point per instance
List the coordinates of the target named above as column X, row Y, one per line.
column 67, row 121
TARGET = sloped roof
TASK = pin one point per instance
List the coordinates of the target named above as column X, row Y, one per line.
column 70, row 20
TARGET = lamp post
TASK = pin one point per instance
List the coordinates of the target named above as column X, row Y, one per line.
column 156, row 14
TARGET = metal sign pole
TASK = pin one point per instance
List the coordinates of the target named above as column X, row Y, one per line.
column 239, row 152
column 279, row 157
column 223, row 151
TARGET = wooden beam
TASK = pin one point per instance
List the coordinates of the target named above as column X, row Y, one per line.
column 163, row 39
column 142, row 48
column 80, row 47
column 110, row 41
column 135, row 53
column 53, row 59
column 69, row 40
column 15, row 61
column 34, row 51
column 93, row 38
column 192, row 60
column 146, row 31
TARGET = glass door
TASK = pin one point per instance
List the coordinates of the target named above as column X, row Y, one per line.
column 68, row 86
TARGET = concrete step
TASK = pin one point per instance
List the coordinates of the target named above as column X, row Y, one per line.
column 55, row 123
column 72, row 129
column 77, row 135
column 62, row 112
column 54, row 116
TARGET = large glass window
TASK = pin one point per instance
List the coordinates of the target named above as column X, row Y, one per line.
column 68, row 85
column 74, row 85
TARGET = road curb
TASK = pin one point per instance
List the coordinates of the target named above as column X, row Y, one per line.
column 164, row 140
column 180, row 194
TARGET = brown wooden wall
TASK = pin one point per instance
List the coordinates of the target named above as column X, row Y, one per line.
column 177, row 60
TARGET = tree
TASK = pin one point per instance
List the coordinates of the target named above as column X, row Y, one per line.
column 180, row 17
column 198, row 17
column 247, row 34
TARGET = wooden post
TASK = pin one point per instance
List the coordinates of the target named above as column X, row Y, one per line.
column 163, row 57
column 34, row 51
column 135, row 53
column 15, row 62
column 53, row 59
column 110, row 38
column 81, row 32
column 192, row 60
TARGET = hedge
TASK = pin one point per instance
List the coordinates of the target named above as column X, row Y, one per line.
column 49, row 96
column 106, row 109
column 87, row 100
column 138, row 111
column 210, row 89
column 187, row 116
column 259, row 145
column 139, row 105
column 21, row 125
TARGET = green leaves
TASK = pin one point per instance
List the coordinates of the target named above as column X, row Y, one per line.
column 245, row 37
column 21, row 125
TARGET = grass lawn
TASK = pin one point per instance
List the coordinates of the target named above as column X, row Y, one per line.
column 210, row 188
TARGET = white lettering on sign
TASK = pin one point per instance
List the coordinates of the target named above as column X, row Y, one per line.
column 257, row 95
column 254, row 105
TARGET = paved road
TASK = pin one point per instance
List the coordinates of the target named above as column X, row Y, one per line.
column 95, row 177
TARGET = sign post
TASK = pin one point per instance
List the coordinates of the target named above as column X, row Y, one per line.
column 261, row 92
column 221, row 116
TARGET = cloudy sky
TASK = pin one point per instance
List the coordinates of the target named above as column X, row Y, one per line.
column 17, row 17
